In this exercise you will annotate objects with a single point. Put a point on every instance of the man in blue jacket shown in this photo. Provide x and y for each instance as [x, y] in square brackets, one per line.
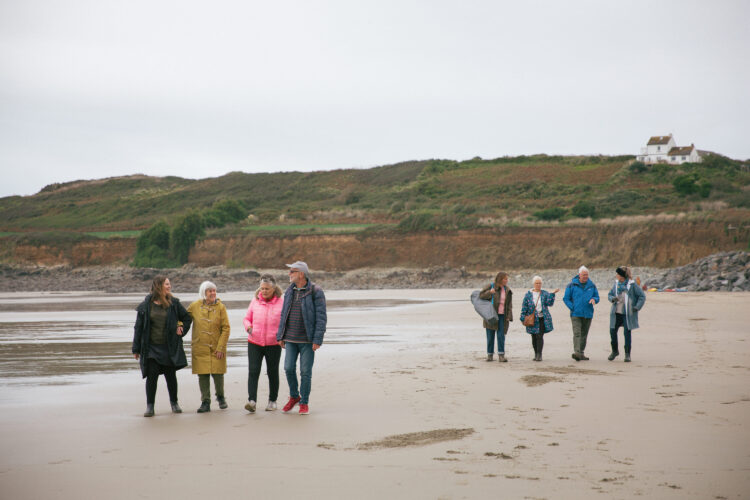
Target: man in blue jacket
[301, 330]
[580, 296]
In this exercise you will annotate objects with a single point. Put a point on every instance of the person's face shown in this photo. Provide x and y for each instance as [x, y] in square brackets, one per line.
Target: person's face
[504, 281]
[167, 286]
[266, 290]
[583, 276]
[210, 295]
[538, 285]
[296, 276]
[619, 278]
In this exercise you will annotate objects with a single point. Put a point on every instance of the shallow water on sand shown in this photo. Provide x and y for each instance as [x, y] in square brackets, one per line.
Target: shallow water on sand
[54, 338]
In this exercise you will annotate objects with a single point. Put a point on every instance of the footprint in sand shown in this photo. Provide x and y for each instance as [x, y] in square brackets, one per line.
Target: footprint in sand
[417, 438]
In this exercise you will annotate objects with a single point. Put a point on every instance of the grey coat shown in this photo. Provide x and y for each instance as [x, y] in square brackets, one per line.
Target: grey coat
[633, 303]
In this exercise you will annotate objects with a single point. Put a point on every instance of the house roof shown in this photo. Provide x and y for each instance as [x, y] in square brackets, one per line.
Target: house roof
[659, 140]
[680, 151]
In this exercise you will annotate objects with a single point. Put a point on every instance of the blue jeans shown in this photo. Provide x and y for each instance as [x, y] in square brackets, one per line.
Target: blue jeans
[306, 359]
[500, 337]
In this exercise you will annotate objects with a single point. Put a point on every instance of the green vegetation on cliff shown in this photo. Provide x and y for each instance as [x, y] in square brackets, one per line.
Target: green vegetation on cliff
[410, 196]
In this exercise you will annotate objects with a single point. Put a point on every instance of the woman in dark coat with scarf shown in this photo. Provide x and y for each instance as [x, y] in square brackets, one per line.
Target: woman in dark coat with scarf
[160, 324]
[502, 297]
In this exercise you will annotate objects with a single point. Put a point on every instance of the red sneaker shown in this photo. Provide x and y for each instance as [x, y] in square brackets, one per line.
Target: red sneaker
[303, 409]
[290, 404]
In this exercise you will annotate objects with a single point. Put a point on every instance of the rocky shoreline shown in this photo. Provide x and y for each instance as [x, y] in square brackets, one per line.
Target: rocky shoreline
[728, 271]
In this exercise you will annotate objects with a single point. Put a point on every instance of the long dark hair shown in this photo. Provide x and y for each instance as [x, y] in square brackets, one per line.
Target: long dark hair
[158, 294]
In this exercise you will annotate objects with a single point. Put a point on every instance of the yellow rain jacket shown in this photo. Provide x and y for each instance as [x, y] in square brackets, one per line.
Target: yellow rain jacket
[210, 334]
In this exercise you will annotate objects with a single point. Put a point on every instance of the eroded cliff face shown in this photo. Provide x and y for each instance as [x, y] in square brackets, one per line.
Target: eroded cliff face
[654, 245]
[88, 253]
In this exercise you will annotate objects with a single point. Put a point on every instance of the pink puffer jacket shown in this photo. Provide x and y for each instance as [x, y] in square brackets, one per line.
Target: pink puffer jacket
[264, 316]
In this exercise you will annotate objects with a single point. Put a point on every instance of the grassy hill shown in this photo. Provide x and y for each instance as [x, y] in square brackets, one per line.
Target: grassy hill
[410, 196]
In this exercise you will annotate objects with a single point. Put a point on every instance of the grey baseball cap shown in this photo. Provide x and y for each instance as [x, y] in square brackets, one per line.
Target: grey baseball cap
[300, 266]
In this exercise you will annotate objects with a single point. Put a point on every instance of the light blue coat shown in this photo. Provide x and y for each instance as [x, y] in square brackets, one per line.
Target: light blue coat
[635, 298]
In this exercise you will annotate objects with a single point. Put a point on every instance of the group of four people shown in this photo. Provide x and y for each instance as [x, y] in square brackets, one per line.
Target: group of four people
[295, 322]
[581, 295]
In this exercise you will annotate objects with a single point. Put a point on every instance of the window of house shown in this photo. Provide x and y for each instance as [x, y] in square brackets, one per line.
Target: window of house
[658, 148]
[683, 158]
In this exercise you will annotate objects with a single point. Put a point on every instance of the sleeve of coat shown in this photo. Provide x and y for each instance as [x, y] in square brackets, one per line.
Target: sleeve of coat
[248, 321]
[525, 306]
[596, 294]
[321, 316]
[567, 299]
[612, 293]
[640, 298]
[224, 335]
[549, 299]
[184, 317]
[485, 293]
[136, 349]
[510, 308]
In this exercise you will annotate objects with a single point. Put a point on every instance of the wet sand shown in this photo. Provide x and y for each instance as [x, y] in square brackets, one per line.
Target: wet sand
[403, 406]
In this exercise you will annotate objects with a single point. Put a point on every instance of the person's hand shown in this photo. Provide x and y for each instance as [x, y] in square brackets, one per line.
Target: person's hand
[555, 291]
[281, 343]
[249, 329]
[137, 355]
[316, 347]
[179, 331]
[219, 355]
[592, 302]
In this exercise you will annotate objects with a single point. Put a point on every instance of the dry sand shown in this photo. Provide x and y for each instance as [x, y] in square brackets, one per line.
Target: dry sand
[420, 416]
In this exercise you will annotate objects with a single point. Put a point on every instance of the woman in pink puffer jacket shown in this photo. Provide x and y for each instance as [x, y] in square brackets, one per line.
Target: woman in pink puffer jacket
[261, 323]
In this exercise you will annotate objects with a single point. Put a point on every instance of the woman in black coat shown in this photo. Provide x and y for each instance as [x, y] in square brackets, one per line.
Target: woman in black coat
[157, 340]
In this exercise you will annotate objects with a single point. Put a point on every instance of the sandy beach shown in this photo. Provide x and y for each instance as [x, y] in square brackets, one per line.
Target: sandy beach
[404, 405]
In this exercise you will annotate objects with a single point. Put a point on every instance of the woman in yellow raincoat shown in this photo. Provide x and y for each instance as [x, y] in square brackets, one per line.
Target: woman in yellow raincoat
[209, 344]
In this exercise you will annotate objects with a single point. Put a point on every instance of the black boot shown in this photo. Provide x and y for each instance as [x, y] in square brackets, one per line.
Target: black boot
[222, 402]
[615, 351]
[627, 356]
[205, 406]
[149, 411]
[175, 407]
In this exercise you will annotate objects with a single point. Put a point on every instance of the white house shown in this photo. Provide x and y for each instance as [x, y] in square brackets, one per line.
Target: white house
[663, 149]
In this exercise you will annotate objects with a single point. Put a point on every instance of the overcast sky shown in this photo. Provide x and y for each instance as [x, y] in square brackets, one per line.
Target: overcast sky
[100, 88]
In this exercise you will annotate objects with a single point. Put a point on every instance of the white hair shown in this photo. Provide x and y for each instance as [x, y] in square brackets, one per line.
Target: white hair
[582, 269]
[206, 285]
[536, 278]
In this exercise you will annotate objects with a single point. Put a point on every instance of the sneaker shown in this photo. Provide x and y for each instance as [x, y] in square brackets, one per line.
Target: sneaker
[290, 404]
[613, 355]
[584, 357]
[575, 356]
[222, 402]
[303, 409]
[489, 357]
[271, 406]
[250, 406]
[501, 358]
[205, 407]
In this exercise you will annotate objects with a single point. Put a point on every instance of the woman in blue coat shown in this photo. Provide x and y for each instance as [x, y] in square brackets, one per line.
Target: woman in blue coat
[537, 302]
[627, 299]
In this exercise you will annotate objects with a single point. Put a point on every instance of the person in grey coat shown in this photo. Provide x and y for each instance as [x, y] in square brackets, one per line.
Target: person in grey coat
[627, 299]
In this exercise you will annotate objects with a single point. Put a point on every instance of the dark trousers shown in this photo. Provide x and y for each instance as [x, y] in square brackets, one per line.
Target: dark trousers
[537, 339]
[153, 370]
[255, 355]
[620, 322]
